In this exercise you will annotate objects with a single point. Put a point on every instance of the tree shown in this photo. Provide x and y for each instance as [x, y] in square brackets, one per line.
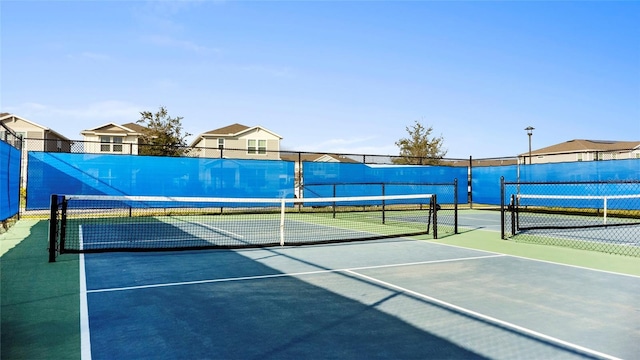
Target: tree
[163, 135]
[419, 148]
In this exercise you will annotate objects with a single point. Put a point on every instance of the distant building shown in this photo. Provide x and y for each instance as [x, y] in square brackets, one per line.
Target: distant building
[35, 137]
[583, 150]
[113, 139]
[238, 141]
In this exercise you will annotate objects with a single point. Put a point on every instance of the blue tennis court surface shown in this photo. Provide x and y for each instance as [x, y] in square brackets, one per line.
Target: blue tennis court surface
[385, 299]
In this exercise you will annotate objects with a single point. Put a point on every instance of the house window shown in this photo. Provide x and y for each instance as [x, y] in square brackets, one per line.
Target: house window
[579, 156]
[117, 144]
[257, 146]
[220, 143]
[106, 143]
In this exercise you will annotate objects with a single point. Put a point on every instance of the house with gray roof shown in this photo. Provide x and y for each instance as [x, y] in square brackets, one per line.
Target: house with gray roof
[35, 137]
[583, 150]
[113, 139]
[239, 142]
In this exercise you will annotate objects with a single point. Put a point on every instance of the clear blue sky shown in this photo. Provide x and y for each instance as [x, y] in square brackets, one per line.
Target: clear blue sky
[332, 76]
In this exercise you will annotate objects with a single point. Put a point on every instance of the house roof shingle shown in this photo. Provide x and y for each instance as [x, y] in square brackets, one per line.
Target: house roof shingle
[4, 116]
[135, 127]
[293, 156]
[228, 130]
[233, 130]
[578, 145]
[112, 128]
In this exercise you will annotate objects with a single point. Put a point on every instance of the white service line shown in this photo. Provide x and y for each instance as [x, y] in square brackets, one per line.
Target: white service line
[286, 274]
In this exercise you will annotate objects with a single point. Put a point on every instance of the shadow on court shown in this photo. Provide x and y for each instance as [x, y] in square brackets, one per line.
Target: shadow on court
[227, 305]
[247, 316]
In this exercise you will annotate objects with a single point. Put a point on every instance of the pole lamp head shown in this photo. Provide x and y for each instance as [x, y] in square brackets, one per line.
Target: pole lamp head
[529, 130]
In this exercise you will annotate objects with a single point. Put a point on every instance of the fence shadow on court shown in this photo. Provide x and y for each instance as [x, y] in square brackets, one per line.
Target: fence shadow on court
[274, 315]
[514, 343]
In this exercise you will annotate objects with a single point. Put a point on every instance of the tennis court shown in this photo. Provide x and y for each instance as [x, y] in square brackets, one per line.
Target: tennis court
[397, 298]
[465, 296]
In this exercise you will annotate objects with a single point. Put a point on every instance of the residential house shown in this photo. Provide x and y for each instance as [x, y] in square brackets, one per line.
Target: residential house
[113, 139]
[239, 142]
[583, 150]
[35, 137]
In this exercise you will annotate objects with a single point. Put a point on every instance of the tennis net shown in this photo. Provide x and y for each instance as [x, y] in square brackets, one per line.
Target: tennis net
[607, 223]
[532, 211]
[95, 223]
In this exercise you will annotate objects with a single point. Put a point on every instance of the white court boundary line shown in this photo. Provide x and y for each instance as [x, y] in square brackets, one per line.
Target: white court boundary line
[256, 277]
[85, 334]
[487, 318]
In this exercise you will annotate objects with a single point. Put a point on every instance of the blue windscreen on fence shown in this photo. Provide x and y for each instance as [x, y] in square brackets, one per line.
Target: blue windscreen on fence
[98, 174]
[325, 179]
[9, 181]
[628, 169]
[485, 181]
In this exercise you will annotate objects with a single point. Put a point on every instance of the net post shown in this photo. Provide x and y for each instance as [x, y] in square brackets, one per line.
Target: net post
[299, 176]
[53, 226]
[502, 236]
[282, 212]
[431, 206]
[514, 210]
[334, 203]
[383, 207]
[455, 205]
[434, 199]
[517, 213]
[470, 184]
[63, 224]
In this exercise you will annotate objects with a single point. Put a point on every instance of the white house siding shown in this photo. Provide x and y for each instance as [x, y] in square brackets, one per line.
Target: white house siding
[237, 148]
[590, 155]
[93, 145]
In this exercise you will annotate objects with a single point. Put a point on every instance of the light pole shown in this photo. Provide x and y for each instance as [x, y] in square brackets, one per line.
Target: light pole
[529, 130]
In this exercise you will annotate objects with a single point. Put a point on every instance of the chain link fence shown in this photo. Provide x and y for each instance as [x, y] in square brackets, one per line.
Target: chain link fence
[482, 178]
[599, 216]
[10, 145]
